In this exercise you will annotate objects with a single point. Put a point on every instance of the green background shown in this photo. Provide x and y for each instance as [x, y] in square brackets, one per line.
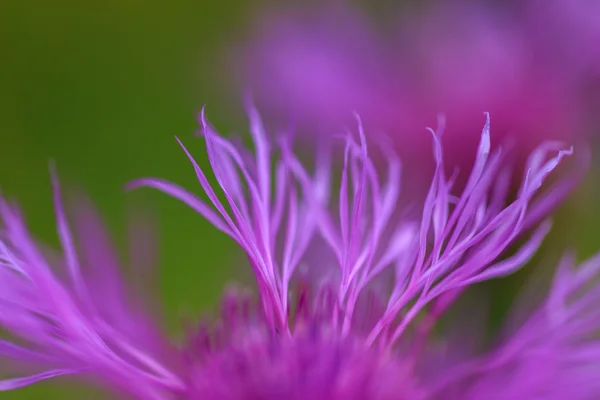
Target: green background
[102, 88]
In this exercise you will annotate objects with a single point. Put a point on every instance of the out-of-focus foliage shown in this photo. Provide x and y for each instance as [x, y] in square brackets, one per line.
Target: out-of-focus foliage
[102, 88]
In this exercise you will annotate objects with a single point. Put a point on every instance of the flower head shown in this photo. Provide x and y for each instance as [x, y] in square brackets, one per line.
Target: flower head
[349, 286]
[519, 61]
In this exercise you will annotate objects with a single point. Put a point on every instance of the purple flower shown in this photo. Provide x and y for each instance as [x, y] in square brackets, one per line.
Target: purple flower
[350, 286]
[520, 62]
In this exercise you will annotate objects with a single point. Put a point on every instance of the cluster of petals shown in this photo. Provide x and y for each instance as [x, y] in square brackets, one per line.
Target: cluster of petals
[350, 287]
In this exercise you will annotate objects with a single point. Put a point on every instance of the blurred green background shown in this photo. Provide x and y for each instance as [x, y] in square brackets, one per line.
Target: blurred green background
[102, 88]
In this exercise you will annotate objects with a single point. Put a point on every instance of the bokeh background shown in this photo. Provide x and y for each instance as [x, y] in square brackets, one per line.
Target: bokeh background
[101, 88]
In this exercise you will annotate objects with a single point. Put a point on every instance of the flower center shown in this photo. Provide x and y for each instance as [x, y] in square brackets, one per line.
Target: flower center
[241, 357]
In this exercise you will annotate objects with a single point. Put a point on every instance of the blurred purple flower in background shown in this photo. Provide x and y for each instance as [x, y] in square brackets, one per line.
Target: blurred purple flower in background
[534, 65]
[350, 287]
[566, 34]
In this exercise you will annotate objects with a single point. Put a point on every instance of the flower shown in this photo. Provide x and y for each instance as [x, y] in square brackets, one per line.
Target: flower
[317, 63]
[349, 286]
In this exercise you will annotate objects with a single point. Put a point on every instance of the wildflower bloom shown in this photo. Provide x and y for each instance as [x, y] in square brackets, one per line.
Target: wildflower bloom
[349, 290]
[314, 64]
